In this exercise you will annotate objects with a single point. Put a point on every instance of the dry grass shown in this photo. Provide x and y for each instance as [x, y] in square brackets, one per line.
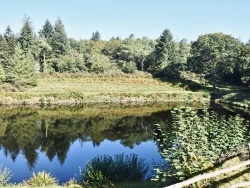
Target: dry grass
[77, 90]
[237, 176]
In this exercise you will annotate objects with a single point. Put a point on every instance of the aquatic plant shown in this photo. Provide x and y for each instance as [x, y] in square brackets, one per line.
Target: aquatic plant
[105, 169]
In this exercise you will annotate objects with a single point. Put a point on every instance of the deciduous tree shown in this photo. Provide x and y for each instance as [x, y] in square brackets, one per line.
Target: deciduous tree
[213, 55]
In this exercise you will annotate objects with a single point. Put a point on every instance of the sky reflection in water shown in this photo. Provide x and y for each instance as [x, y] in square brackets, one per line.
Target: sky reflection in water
[77, 156]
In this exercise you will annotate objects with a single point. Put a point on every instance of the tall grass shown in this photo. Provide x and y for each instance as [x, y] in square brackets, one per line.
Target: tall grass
[121, 168]
[5, 175]
[41, 179]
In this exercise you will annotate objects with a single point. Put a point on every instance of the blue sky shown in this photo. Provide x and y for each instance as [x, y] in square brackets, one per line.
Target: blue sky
[185, 18]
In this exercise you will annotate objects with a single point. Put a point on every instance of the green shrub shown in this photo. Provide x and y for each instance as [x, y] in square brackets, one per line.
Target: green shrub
[105, 169]
[197, 142]
[95, 177]
[4, 175]
[2, 74]
[41, 179]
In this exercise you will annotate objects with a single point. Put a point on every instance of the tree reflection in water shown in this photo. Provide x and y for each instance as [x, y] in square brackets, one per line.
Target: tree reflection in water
[30, 132]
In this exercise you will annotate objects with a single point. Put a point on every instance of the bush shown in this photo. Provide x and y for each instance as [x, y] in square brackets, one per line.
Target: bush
[197, 142]
[4, 175]
[41, 179]
[105, 169]
[127, 67]
[2, 74]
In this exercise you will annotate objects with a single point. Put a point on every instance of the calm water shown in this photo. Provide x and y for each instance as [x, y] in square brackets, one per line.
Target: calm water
[60, 140]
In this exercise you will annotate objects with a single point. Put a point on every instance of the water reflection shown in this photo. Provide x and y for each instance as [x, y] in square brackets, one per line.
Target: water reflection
[61, 140]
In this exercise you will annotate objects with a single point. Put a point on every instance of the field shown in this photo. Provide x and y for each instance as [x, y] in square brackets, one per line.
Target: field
[67, 89]
[234, 96]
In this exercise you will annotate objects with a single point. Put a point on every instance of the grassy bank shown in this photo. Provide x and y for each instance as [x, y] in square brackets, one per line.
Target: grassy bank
[233, 96]
[221, 181]
[66, 89]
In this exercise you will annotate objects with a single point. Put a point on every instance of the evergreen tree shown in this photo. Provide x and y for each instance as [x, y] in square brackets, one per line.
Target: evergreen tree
[183, 51]
[27, 37]
[96, 36]
[21, 71]
[164, 52]
[11, 40]
[47, 30]
[3, 52]
[179, 62]
[59, 43]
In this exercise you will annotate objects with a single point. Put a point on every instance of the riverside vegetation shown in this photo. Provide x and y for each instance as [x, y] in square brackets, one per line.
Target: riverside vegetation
[222, 139]
[52, 69]
[31, 63]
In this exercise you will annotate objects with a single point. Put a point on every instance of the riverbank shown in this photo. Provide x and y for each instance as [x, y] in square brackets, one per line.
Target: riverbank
[68, 89]
[234, 97]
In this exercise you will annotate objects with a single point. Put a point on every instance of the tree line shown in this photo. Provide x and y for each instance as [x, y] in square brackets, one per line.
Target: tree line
[215, 57]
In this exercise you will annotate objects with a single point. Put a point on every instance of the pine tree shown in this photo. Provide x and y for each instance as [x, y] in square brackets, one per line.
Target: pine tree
[164, 52]
[3, 52]
[21, 71]
[11, 40]
[96, 36]
[47, 30]
[59, 43]
[27, 37]
[164, 49]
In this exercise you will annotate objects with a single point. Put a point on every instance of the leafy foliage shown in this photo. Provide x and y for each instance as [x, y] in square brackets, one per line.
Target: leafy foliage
[2, 74]
[197, 142]
[214, 55]
[105, 169]
[98, 63]
[243, 63]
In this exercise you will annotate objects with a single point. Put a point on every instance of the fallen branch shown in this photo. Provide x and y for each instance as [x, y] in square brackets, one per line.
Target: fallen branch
[209, 175]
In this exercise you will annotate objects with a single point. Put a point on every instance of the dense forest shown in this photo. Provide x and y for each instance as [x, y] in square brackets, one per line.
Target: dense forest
[214, 57]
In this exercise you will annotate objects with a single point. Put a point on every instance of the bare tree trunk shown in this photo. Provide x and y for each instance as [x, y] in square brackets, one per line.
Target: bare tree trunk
[209, 175]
